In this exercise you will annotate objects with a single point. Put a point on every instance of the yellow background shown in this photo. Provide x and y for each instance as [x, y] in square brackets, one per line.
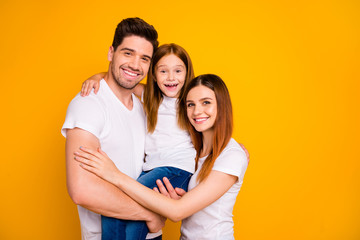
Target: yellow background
[292, 68]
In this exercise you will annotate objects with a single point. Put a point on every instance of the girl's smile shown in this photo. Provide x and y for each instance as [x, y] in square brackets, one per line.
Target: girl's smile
[170, 74]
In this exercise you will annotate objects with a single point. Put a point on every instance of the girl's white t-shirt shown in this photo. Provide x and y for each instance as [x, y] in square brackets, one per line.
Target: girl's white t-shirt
[215, 221]
[169, 145]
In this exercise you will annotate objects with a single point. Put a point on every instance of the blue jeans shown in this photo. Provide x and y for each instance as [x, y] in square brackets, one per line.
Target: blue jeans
[117, 229]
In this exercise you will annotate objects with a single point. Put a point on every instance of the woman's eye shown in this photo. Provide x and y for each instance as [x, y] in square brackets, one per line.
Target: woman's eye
[190, 105]
[206, 102]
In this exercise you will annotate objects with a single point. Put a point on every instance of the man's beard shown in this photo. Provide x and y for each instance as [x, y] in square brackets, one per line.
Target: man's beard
[121, 83]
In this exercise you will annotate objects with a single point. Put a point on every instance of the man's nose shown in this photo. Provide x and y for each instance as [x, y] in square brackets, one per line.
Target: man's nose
[134, 64]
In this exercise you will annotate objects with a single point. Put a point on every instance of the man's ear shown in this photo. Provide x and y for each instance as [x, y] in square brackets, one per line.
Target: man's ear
[111, 53]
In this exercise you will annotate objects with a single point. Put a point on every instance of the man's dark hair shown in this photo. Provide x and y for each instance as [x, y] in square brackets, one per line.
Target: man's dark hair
[135, 27]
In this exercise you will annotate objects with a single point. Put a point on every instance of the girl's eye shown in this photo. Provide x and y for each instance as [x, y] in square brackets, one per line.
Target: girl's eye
[206, 102]
[178, 71]
[190, 105]
[162, 71]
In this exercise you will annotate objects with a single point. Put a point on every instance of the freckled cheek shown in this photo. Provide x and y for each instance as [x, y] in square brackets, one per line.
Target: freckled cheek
[182, 78]
[159, 82]
[159, 78]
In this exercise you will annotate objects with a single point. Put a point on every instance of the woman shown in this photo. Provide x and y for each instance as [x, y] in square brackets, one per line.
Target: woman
[220, 161]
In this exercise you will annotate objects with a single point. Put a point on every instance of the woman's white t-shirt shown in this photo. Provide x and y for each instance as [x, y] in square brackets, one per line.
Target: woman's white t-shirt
[215, 221]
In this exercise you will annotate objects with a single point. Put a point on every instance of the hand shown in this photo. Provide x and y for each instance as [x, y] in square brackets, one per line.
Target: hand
[156, 224]
[88, 85]
[169, 190]
[246, 152]
[98, 163]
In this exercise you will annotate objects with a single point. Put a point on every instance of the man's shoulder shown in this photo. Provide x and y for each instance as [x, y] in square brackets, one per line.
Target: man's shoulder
[91, 106]
[90, 101]
[86, 113]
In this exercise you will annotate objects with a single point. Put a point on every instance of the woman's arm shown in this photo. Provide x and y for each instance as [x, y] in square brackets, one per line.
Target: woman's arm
[207, 192]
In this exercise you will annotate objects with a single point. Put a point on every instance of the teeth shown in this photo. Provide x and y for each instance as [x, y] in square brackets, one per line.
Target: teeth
[130, 73]
[200, 119]
[171, 85]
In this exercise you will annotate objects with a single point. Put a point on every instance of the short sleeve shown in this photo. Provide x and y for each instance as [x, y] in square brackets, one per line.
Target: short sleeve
[232, 161]
[85, 113]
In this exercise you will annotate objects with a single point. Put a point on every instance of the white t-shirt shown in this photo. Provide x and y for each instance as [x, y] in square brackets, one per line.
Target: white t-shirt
[121, 133]
[169, 145]
[215, 221]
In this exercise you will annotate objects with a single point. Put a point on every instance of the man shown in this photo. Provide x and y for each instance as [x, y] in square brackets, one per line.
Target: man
[114, 120]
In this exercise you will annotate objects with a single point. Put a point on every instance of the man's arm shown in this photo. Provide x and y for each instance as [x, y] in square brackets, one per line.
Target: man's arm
[97, 195]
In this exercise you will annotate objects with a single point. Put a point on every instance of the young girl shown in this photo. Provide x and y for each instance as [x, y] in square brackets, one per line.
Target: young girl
[169, 151]
[221, 164]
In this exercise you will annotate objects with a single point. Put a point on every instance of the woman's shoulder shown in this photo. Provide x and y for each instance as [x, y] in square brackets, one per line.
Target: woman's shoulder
[233, 147]
[232, 159]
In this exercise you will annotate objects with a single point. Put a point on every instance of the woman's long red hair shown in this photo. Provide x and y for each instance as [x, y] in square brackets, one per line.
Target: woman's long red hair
[223, 125]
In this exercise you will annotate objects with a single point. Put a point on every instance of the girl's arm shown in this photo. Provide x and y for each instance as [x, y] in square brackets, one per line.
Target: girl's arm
[139, 89]
[207, 192]
[90, 83]
[94, 82]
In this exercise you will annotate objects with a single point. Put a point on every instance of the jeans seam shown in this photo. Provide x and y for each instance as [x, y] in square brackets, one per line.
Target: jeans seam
[185, 179]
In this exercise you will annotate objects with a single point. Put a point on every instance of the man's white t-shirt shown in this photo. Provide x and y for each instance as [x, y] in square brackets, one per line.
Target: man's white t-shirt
[121, 133]
[169, 145]
[215, 221]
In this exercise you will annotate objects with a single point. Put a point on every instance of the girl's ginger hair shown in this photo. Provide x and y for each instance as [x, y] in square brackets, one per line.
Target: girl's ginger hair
[152, 94]
[223, 125]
